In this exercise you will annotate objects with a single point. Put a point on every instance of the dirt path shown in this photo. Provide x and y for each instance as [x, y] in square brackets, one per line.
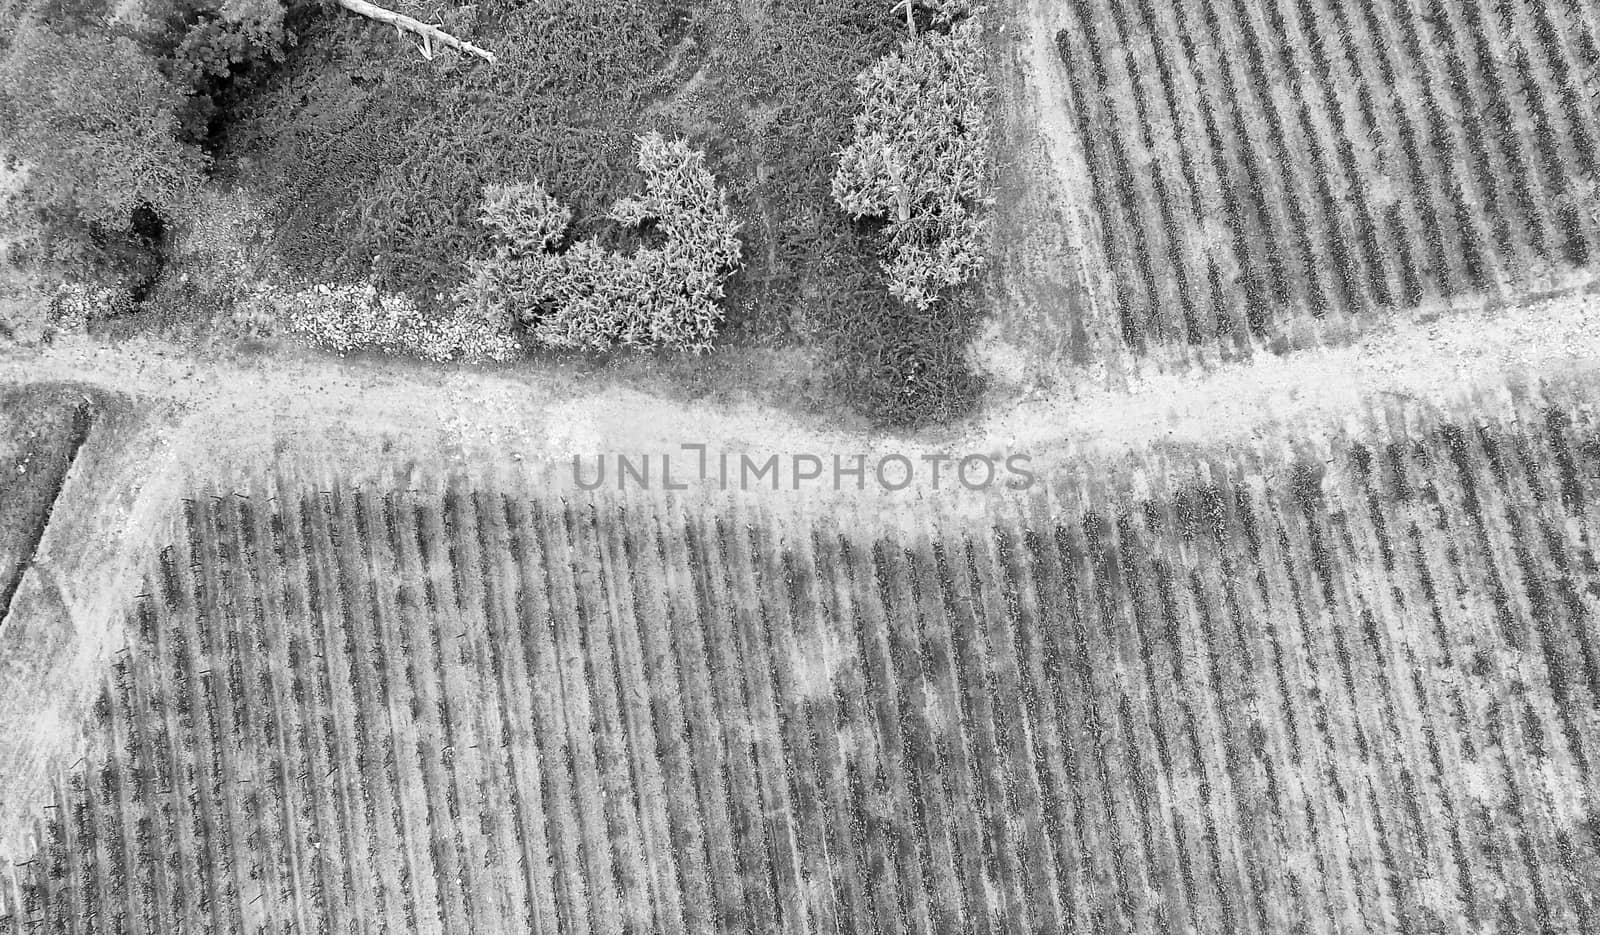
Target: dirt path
[362, 417]
[1050, 270]
[1435, 364]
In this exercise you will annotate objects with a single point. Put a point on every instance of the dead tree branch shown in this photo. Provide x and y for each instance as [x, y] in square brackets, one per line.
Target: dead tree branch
[431, 35]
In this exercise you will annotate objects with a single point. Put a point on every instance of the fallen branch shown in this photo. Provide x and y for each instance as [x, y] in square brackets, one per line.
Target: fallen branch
[431, 35]
[911, 20]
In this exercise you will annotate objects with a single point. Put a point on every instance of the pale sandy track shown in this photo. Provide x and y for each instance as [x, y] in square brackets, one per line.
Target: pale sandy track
[360, 417]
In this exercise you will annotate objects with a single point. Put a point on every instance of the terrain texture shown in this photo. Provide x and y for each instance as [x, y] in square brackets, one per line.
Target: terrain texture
[1296, 631]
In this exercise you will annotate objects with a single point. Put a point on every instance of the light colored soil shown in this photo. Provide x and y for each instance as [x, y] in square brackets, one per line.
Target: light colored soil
[1050, 272]
[352, 416]
[1434, 363]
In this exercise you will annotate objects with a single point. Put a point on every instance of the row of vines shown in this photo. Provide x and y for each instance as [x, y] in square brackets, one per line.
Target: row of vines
[1251, 158]
[1348, 690]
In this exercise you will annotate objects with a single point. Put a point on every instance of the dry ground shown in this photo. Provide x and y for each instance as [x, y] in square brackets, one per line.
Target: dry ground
[217, 422]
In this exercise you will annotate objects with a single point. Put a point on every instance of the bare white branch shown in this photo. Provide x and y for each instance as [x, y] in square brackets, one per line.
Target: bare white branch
[431, 35]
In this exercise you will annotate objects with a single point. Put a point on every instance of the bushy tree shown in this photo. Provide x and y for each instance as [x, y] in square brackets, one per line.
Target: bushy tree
[920, 159]
[214, 49]
[107, 108]
[96, 123]
[592, 298]
[107, 111]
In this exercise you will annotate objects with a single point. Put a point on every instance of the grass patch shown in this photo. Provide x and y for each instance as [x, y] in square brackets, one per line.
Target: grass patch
[901, 366]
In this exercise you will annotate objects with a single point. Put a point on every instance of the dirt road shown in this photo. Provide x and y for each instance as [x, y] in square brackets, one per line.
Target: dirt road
[360, 416]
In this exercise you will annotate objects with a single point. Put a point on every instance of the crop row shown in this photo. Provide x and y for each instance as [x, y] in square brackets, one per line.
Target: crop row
[1320, 690]
[1253, 158]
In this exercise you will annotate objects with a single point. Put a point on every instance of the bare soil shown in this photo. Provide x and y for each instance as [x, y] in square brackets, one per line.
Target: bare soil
[231, 414]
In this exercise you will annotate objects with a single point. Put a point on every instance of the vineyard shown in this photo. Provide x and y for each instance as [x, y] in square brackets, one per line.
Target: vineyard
[1347, 689]
[1251, 160]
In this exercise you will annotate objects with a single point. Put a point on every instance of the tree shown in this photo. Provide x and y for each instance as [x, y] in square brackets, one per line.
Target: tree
[588, 297]
[213, 49]
[95, 123]
[920, 159]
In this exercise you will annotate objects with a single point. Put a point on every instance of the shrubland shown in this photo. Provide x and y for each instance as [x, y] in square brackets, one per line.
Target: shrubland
[569, 295]
[376, 161]
[920, 161]
[373, 160]
[371, 164]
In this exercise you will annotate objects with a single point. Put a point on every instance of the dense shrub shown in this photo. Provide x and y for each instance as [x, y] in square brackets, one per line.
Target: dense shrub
[920, 159]
[96, 123]
[216, 49]
[589, 297]
[527, 219]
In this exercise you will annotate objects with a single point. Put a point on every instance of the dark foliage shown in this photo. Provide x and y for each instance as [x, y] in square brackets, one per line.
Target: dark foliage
[112, 111]
[902, 366]
[219, 54]
[376, 159]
